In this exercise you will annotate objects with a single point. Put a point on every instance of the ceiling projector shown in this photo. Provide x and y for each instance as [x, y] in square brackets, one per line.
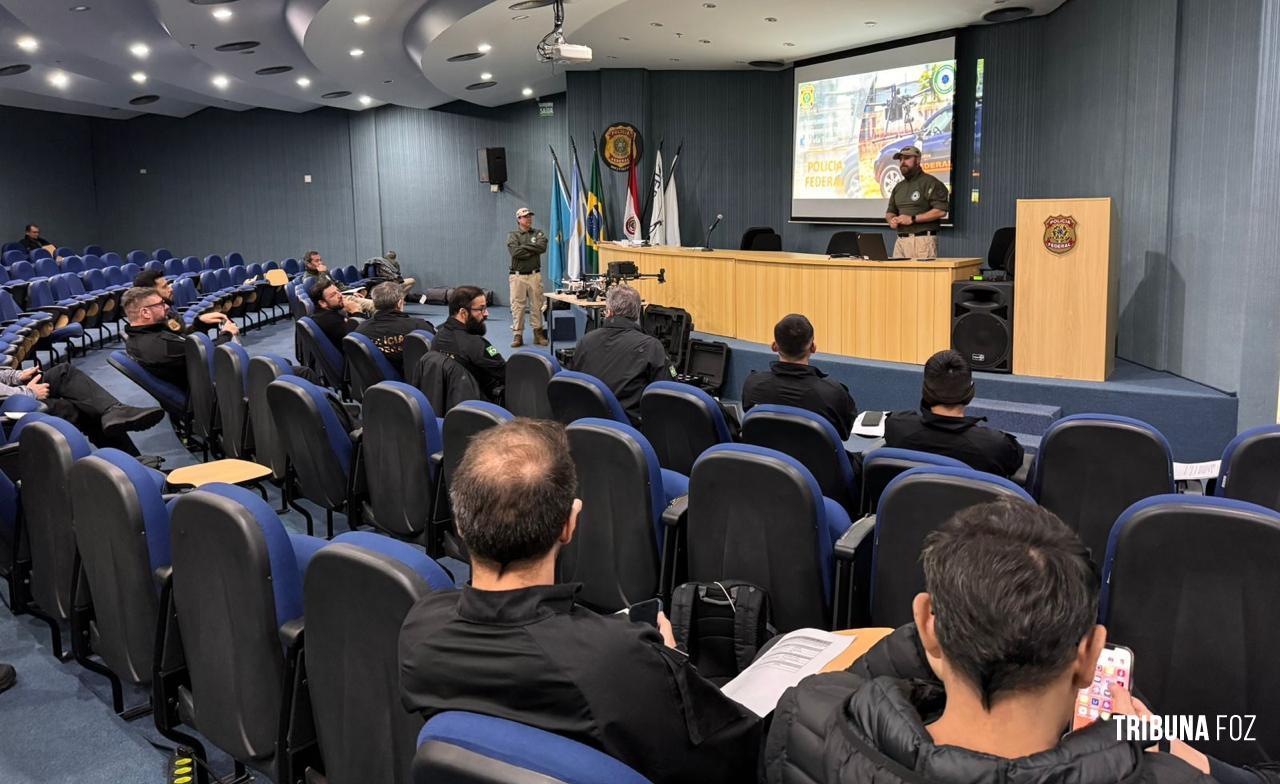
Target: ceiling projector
[571, 53]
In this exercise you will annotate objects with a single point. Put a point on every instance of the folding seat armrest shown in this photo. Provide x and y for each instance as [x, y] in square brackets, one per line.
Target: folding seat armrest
[850, 596]
[1023, 474]
[291, 634]
[673, 568]
[850, 541]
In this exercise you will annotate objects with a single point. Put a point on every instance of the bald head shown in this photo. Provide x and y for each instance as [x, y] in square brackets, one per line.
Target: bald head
[514, 492]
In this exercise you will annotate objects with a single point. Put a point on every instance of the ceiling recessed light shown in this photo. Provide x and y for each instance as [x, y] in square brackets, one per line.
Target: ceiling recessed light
[76, 9]
[140, 50]
[708, 5]
[139, 77]
[28, 44]
[869, 23]
[484, 77]
[464, 57]
[771, 18]
[220, 82]
[273, 70]
[357, 53]
[386, 81]
[336, 94]
[14, 70]
[703, 41]
[613, 57]
[59, 79]
[482, 48]
[480, 85]
[361, 19]
[303, 81]
[787, 43]
[623, 38]
[223, 14]
[526, 92]
[519, 17]
[674, 59]
[526, 5]
[142, 100]
[365, 100]
[655, 24]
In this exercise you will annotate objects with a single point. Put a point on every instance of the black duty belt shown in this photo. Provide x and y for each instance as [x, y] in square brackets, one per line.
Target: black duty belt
[928, 233]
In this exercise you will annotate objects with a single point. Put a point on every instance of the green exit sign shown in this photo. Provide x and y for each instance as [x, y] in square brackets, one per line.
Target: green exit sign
[546, 109]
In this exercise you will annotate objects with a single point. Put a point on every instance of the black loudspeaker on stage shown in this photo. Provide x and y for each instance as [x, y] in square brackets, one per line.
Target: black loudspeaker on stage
[492, 162]
[982, 323]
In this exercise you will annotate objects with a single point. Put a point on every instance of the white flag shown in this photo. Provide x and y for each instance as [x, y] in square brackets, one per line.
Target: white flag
[671, 207]
[657, 223]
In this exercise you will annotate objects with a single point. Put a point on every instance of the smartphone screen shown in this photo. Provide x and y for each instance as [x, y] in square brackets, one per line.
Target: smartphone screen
[1115, 666]
[645, 612]
[872, 418]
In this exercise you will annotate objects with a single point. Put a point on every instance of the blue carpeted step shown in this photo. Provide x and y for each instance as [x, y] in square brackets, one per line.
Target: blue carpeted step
[1030, 418]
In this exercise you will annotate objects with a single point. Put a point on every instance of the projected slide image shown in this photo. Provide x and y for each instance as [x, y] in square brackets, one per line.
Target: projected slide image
[849, 127]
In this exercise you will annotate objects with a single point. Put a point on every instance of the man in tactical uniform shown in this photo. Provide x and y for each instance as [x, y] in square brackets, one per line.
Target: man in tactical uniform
[916, 208]
[526, 246]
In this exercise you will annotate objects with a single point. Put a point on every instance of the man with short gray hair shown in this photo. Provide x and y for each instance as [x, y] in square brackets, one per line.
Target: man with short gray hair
[620, 354]
[390, 323]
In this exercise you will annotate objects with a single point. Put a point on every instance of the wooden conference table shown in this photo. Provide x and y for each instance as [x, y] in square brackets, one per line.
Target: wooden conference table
[898, 311]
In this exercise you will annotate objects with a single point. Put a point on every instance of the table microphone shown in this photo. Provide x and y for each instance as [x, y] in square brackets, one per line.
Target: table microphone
[706, 246]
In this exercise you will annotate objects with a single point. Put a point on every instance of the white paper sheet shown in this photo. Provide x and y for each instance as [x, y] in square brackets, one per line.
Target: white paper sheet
[1187, 471]
[796, 656]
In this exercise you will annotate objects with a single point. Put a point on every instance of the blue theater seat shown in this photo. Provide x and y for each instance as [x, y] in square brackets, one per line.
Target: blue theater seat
[809, 438]
[366, 364]
[1249, 470]
[758, 515]
[617, 552]
[681, 421]
[467, 747]
[575, 396]
[528, 373]
[402, 452]
[353, 671]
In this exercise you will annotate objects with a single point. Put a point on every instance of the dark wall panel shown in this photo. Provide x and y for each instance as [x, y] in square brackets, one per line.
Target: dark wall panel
[444, 224]
[220, 181]
[47, 162]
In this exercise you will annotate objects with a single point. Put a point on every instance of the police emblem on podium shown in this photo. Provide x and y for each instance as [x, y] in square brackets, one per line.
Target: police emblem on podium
[1059, 233]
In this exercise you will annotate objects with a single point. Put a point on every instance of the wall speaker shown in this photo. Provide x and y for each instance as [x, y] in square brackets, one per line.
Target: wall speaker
[492, 162]
[982, 323]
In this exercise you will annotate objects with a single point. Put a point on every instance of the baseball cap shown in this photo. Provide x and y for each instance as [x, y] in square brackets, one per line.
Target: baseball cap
[906, 152]
[523, 211]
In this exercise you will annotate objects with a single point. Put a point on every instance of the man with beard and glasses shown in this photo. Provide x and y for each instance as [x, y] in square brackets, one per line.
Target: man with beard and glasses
[462, 337]
[916, 208]
[154, 279]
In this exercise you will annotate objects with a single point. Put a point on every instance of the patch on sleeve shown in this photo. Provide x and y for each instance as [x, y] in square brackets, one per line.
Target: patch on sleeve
[671, 370]
[491, 351]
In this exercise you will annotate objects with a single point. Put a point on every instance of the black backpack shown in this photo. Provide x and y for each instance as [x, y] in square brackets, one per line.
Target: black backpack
[721, 626]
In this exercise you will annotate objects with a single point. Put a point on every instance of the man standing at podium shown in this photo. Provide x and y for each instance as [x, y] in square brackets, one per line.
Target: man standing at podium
[916, 208]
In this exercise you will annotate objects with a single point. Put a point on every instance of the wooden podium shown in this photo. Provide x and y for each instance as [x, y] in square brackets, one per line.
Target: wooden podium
[1065, 295]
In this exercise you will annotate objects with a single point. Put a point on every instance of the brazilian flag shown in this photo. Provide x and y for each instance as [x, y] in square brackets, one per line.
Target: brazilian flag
[595, 219]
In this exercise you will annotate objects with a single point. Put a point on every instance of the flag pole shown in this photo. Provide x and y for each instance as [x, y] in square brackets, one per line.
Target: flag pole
[649, 200]
[675, 161]
[556, 159]
[581, 182]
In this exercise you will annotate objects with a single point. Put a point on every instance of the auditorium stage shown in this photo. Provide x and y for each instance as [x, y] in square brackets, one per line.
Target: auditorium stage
[1197, 420]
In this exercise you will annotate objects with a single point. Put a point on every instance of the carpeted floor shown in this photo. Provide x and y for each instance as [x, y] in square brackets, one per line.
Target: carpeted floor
[56, 724]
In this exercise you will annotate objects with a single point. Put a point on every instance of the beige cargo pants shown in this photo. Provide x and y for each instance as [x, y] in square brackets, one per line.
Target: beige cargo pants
[917, 247]
[526, 293]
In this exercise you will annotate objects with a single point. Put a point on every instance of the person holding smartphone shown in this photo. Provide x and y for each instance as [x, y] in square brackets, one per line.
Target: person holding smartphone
[982, 686]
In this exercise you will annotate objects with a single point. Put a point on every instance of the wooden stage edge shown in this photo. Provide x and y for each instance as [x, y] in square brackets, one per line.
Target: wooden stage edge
[896, 311]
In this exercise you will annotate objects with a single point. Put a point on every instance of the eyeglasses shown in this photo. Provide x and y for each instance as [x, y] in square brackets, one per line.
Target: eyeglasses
[153, 305]
[481, 309]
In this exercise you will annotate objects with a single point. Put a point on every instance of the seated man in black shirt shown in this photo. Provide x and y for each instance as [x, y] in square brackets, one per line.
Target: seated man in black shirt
[315, 270]
[390, 323]
[155, 342]
[515, 645]
[620, 354]
[461, 336]
[332, 309]
[982, 685]
[792, 381]
[31, 240]
[941, 427]
[154, 279]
